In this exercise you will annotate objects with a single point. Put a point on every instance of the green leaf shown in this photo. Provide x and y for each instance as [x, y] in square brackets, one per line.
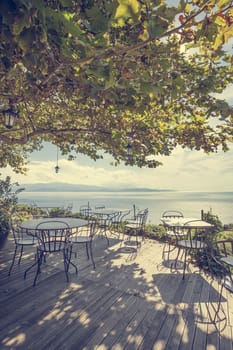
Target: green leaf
[157, 26]
[127, 9]
[98, 21]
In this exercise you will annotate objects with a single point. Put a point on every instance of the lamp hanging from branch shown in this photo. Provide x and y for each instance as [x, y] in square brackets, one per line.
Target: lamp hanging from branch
[57, 168]
[10, 117]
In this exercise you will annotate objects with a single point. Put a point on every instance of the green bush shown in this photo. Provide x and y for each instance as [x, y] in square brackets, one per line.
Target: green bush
[214, 220]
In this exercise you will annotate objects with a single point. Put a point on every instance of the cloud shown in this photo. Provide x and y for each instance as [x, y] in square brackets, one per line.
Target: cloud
[183, 170]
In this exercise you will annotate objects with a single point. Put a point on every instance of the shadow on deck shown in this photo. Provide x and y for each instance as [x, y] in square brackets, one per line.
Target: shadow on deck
[131, 301]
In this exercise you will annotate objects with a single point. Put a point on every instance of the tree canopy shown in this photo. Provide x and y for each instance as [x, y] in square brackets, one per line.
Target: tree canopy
[133, 78]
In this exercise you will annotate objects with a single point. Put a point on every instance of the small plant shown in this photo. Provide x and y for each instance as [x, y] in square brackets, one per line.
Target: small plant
[214, 220]
[8, 201]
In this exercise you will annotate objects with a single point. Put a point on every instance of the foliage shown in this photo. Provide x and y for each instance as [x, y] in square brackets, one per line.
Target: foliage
[214, 220]
[8, 200]
[111, 76]
[225, 234]
[155, 232]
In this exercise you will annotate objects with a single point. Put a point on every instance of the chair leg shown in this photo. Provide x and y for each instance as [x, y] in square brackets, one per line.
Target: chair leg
[88, 257]
[185, 263]
[13, 260]
[67, 253]
[66, 263]
[21, 253]
[39, 263]
[91, 253]
[29, 268]
[219, 301]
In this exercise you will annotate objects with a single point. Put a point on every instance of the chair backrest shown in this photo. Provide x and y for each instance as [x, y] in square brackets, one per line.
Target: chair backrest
[195, 230]
[88, 230]
[85, 210]
[224, 247]
[122, 215]
[52, 239]
[172, 214]
[21, 235]
[105, 219]
[141, 218]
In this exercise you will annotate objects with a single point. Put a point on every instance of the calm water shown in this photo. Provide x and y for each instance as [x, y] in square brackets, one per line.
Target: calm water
[190, 203]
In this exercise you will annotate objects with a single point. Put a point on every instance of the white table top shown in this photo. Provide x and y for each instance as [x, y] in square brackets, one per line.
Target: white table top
[108, 211]
[186, 222]
[53, 223]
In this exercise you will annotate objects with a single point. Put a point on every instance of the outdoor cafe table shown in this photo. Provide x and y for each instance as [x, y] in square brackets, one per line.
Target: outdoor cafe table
[186, 222]
[53, 223]
[106, 217]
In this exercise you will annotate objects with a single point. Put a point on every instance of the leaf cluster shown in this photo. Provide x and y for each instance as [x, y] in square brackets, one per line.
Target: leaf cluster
[94, 76]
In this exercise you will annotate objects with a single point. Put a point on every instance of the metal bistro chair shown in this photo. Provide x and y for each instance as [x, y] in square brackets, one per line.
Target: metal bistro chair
[173, 234]
[21, 240]
[51, 241]
[117, 224]
[85, 235]
[137, 226]
[221, 267]
[104, 223]
[193, 242]
[85, 211]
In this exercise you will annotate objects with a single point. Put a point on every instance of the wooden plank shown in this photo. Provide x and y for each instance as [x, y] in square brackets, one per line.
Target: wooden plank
[129, 338]
[128, 302]
[82, 324]
[72, 322]
[109, 326]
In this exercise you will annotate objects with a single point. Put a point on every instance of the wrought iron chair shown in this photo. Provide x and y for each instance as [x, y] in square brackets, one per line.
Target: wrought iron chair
[85, 235]
[221, 265]
[194, 241]
[173, 234]
[117, 224]
[136, 227]
[223, 256]
[53, 240]
[104, 223]
[85, 211]
[21, 240]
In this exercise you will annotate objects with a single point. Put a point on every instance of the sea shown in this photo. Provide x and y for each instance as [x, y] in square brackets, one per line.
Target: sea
[191, 204]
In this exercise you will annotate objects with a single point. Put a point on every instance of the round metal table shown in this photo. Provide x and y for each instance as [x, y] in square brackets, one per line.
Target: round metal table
[53, 223]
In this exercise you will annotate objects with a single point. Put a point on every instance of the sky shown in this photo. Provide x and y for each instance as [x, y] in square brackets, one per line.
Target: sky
[183, 170]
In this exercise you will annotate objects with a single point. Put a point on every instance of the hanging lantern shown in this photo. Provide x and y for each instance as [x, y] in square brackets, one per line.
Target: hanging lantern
[129, 151]
[57, 168]
[10, 117]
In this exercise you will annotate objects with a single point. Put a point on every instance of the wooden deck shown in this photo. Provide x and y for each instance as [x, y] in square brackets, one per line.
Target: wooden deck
[131, 301]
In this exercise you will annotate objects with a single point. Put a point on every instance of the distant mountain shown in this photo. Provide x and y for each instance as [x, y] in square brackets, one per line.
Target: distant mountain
[62, 187]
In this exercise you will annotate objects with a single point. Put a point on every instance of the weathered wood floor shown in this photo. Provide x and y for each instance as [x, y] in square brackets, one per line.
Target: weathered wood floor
[131, 301]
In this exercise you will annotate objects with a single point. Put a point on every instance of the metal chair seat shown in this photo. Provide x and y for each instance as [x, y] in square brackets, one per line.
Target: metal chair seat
[26, 241]
[21, 240]
[80, 239]
[52, 247]
[191, 244]
[85, 235]
[227, 260]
